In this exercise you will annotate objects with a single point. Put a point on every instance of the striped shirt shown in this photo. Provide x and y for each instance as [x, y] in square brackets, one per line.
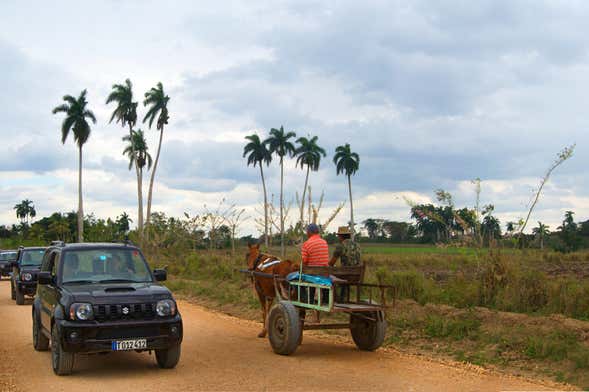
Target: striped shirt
[315, 251]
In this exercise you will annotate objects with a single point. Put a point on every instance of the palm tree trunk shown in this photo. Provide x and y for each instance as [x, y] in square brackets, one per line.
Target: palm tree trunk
[139, 192]
[140, 203]
[80, 202]
[265, 207]
[303, 198]
[282, 251]
[351, 208]
[150, 192]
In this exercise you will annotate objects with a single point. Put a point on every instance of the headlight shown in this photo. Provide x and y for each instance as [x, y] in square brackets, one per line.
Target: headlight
[165, 307]
[27, 277]
[81, 312]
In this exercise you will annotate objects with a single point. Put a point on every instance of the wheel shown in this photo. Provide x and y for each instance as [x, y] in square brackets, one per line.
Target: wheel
[284, 328]
[168, 358]
[40, 341]
[20, 297]
[368, 334]
[61, 361]
[12, 293]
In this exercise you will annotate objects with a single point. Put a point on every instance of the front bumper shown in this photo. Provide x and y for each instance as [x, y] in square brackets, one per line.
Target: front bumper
[94, 337]
[27, 288]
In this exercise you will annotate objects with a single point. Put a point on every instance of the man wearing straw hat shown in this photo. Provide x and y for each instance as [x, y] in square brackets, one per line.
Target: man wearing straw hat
[347, 250]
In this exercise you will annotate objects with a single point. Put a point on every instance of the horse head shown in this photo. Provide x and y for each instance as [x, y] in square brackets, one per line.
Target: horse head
[252, 257]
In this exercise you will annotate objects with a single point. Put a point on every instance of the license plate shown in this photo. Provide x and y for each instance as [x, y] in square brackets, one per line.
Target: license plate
[125, 345]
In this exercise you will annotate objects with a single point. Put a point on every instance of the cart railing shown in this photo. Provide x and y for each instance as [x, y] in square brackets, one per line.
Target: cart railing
[340, 296]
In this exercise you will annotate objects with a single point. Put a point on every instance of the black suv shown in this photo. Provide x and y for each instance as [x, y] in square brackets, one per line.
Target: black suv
[7, 257]
[97, 298]
[24, 273]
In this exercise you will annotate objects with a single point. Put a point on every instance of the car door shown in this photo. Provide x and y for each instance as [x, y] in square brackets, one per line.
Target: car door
[48, 293]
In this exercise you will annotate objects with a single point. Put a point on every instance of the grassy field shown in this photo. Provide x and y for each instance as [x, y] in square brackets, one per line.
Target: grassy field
[525, 312]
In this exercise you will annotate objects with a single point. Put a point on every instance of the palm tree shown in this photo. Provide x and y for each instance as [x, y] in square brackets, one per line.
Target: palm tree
[347, 162]
[279, 144]
[76, 121]
[158, 102]
[123, 223]
[541, 231]
[126, 113]
[308, 154]
[136, 150]
[25, 210]
[258, 154]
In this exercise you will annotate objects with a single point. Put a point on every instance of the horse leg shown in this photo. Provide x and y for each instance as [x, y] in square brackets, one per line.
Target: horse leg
[263, 302]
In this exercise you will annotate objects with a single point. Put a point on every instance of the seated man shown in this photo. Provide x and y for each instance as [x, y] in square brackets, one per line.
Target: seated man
[348, 252]
[315, 253]
[70, 267]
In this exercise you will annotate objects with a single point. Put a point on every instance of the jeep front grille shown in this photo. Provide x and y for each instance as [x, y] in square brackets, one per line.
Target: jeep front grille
[124, 312]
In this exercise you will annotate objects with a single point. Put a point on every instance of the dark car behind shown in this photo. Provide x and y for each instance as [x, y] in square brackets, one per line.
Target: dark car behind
[7, 257]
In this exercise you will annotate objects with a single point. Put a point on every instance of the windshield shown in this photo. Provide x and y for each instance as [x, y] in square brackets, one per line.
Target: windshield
[32, 257]
[103, 266]
[7, 256]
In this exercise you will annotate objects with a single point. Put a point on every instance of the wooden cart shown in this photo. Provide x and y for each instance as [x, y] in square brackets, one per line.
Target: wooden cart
[365, 304]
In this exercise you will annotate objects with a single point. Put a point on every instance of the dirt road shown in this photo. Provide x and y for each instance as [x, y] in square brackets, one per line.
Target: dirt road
[223, 353]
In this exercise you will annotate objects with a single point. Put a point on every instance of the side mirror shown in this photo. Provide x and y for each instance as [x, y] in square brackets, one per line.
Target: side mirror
[45, 277]
[160, 275]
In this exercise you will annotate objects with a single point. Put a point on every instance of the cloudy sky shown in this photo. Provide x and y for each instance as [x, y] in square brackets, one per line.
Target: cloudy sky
[431, 94]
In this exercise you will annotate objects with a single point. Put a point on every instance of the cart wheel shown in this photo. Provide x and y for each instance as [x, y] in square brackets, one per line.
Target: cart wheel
[368, 334]
[284, 328]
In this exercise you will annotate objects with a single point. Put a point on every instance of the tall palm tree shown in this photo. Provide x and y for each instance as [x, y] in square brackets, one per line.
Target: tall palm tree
[258, 154]
[278, 143]
[25, 210]
[125, 113]
[347, 162]
[136, 150]
[76, 115]
[308, 154]
[541, 231]
[158, 108]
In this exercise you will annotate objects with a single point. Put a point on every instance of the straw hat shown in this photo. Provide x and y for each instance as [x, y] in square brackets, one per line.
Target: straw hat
[343, 230]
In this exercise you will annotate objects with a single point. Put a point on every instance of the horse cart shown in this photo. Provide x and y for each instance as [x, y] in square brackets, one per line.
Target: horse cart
[322, 290]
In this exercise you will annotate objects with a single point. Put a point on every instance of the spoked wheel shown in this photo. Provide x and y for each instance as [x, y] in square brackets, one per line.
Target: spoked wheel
[284, 328]
[40, 341]
[61, 361]
[368, 329]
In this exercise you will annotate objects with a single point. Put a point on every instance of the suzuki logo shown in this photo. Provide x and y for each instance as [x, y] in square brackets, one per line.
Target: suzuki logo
[125, 310]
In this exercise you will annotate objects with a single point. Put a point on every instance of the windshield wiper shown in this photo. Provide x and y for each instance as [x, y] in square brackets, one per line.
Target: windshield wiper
[119, 281]
[81, 281]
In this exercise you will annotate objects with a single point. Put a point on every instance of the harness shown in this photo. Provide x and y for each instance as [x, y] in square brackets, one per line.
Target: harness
[261, 263]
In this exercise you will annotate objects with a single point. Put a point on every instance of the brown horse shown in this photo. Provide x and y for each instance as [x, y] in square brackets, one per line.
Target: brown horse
[264, 286]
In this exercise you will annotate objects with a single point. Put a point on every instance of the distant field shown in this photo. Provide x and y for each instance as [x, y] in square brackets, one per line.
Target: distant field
[404, 249]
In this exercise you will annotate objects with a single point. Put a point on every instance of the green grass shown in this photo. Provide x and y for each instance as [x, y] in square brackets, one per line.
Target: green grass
[411, 250]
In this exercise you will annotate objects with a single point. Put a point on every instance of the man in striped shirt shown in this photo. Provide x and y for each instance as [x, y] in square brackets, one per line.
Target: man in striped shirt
[315, 252]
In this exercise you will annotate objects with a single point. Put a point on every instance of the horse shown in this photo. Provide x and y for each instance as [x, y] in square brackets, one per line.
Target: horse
[264, 286]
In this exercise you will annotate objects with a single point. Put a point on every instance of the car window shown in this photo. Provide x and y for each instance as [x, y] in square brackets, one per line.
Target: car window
[7, 256]
[103, 265]
[32, 256]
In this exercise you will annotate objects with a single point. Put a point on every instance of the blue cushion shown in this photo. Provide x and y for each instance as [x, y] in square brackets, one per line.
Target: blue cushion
[317, 279]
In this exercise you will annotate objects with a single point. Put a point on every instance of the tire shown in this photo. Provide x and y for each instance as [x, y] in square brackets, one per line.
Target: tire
[284, 328]
[61, 361]
[12, 293]
[40, 341]
[20, 297]
[368, 334]
[168, 358]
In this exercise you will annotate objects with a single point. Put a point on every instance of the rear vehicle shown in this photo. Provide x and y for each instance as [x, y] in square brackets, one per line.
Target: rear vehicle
[7, 257]
[24, 273]
[99, 298]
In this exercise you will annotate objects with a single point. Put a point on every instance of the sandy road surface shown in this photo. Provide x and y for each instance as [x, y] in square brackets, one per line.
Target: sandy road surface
[222, 353]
